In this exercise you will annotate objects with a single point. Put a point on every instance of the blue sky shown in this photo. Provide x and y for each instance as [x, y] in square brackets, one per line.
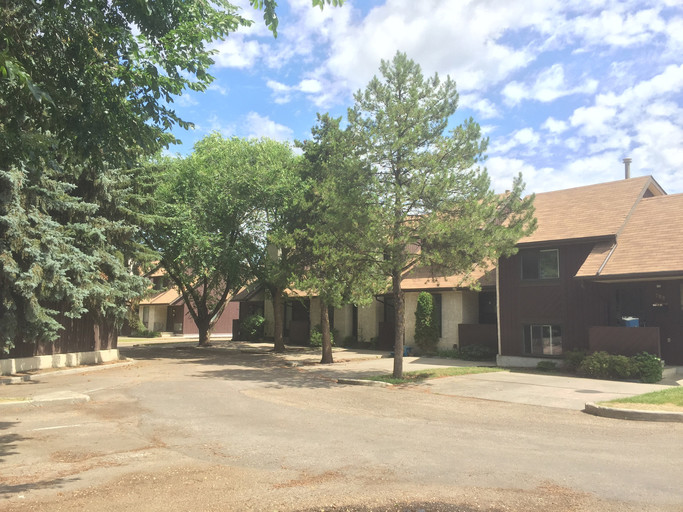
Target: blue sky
[564, 89]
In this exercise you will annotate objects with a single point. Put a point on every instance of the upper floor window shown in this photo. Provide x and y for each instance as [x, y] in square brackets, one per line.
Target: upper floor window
[543, 264]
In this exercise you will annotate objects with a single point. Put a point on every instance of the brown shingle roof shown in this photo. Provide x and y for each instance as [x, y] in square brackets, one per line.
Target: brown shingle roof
[588, 212]
[651, 242]
[165, 297]
[422, 279]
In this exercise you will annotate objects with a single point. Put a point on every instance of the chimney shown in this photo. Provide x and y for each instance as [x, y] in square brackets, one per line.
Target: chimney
[627, 167]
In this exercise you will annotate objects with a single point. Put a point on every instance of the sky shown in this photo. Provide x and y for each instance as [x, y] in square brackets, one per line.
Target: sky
[563, 89]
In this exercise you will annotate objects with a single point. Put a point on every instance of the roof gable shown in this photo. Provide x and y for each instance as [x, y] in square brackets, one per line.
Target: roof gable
[651, 241]
[592, 211]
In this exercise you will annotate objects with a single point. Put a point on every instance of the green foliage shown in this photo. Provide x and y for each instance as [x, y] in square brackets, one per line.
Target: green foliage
[252, 327]
[432, 204]
[145, 333]
[673, 396]
[601, 365]
[85, 94]
[317, 337]
[647, 367]
[620, 367]
[476, 353]
[334, 236]
[469, 353]
[451, 353]
[595, 365]
[211, 231]
[546, 366]
[426, 325]
[435, 373]
[573, 359]
[270, 17]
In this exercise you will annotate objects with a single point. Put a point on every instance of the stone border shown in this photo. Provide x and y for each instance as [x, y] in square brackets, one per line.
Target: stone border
[632, 414]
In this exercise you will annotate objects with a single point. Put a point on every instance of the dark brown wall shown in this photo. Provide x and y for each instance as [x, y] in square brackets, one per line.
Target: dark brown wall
[624, 341]
[478, 334]
[223, 325]
[79, 335]
[571, 303]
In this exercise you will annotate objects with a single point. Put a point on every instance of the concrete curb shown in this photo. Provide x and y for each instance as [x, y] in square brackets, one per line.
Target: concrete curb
[632, 414]
[363, 382]
[83, 369]
[57, 396]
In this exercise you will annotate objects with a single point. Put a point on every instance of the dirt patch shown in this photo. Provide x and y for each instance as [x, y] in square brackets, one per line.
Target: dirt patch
[73, 456]
[308, 479]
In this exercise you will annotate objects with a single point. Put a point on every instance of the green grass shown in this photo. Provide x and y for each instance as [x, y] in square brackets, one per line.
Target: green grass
[673, 396]
[435, 373]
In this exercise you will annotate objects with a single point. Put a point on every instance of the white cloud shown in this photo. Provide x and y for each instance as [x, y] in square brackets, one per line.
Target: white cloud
[257, 126]
[549, 86]
[315, 90]
[310, 86]
[216, 87]
[526, 137]
[186, 100]
[616, 27]
[237, 52]
[484, 107]
[554, 126]
[640, 116]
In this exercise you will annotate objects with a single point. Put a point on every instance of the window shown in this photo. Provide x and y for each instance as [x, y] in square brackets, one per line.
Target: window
[544, 264]
[543, 340]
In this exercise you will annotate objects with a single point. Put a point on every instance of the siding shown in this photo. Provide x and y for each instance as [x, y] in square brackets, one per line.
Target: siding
[571, 303]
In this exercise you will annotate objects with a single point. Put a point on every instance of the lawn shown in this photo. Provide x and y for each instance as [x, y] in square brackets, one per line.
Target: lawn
[435, 373]
[666, 400]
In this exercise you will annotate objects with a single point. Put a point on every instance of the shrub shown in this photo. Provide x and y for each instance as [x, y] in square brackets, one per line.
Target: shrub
[144, 333]
[595, 365]
[252, 327]
[316, 339]
[348, 341]
[476, 353]
[452, 353]
[620, 367]
[546, 366]
[647, 367]
[426, 326]
[573, 359]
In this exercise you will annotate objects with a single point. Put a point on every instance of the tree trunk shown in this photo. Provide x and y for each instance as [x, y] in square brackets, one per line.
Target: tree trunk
[325, 328]
[278, 313]
[204, 328]
[399, 324]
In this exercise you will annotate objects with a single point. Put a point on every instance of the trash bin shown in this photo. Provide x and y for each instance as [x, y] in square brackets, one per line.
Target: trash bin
[630, 321]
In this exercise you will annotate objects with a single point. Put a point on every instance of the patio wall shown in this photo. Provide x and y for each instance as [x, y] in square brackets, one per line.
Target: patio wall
[626, 341]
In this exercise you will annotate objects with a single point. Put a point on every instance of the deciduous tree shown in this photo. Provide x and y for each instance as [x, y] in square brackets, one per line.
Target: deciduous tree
[335, 237]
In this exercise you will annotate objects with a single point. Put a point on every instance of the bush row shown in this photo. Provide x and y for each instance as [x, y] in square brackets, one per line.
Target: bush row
[470, 353]
[601, 365]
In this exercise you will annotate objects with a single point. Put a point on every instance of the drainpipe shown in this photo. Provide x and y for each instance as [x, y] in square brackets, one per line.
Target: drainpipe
[627, 167]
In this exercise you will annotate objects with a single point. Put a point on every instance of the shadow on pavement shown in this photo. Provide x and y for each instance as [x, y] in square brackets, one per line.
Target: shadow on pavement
[8, 446]
[254, 365]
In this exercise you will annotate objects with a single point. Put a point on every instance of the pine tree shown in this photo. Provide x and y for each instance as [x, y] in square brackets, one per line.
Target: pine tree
[433, 203]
